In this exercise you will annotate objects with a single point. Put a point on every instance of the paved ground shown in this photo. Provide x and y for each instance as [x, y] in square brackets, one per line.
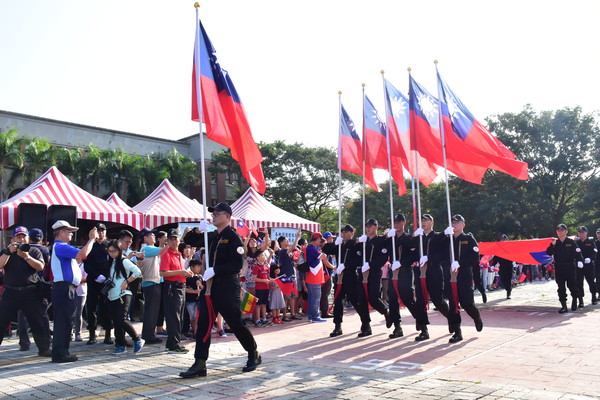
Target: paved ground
[525, 351]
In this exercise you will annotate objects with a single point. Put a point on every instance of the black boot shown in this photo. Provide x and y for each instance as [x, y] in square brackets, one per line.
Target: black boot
[574, 304]
[457, 337]
[197, 369]
[594, 299]
[397, 332]
[479, 325]
[484, 297]
[254, 360]
[563, 308]
[388, 319]
[581, 302]
[365, 330]
[508, 294]
[424, 335]
[337, 331]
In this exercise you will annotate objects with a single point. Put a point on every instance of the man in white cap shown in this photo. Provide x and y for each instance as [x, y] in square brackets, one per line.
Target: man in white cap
[67, 275]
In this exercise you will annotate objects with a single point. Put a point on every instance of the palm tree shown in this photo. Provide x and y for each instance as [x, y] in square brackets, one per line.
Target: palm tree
[36, 160]
[10, 155]
[93, 162]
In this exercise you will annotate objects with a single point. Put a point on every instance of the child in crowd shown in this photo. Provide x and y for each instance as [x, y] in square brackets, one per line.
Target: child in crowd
[276, 300]
[193, 287]
[260, 275]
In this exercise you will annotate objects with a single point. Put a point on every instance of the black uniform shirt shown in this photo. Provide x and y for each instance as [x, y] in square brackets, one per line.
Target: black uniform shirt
[18, 273]
[407, 249]
[378, 251]
[466, 251]
[565, 252]
[226, 252]
[433, 247]
[351, 253]
[96, 263]
[588, 248]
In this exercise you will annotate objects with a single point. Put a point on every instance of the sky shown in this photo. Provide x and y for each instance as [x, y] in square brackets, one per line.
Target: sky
[127, 66]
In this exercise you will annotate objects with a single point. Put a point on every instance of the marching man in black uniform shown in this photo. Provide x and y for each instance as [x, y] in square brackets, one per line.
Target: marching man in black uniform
[505, 268]
[226, 252]
[567, 255]
[588, 252]
[466, 254]
[597, 262]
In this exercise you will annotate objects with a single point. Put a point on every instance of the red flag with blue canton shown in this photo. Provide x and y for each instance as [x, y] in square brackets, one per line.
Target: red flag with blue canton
[350, 151]
[223, 112]
[242, 229]
[398, 123]
[287, 285]
[425, 135]
[531, 252]
[467, 136]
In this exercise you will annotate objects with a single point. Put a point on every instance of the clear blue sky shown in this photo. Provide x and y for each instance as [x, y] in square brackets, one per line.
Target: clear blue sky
[126, 65]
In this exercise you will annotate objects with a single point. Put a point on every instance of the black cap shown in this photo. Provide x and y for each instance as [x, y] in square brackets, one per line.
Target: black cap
[582, 229]
[372, 221]
[458, 218]
[503, 237]
[348, 228]
[399, 218]
[562, 226]
[173, 232]
[100, 226]
[427, 216]
[221, 207]
[146, 231]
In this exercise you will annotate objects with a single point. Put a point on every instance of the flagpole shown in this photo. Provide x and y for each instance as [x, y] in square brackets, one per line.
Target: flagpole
[387, 142]
[364, 165]
[339, 260]
[418, 202]
[443, 137]
[199, 102]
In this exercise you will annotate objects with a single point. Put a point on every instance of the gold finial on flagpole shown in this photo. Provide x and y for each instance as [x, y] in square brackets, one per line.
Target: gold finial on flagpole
[435, 61]
[363, 85]
[196, 5]
[382, 72]
[409, 69]
[339, 92]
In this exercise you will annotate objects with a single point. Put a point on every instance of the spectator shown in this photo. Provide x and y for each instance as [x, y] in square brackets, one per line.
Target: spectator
[252, 250]
[193, 287]
[286, 263]
[260, 275]
[80, 303]
[276, 301]
[327, 282]
[314, 277]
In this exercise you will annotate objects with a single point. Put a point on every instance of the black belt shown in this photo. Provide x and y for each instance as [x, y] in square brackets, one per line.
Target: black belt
[65, 283]
[19, 288]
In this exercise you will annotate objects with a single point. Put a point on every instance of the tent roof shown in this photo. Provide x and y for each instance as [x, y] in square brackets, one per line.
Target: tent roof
[53, 188]
[116, 200]
[167, 205]
[252, 207]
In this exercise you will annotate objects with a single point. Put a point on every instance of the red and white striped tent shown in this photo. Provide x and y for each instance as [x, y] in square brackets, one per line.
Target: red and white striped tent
[252, 207]
[116, 200]
[53, 188]
[167, 205]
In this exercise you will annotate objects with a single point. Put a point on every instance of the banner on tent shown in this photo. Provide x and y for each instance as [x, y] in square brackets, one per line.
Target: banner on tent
[289, 233]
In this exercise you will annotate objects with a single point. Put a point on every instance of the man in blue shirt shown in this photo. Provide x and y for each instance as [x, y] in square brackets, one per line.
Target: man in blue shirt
[67, 275]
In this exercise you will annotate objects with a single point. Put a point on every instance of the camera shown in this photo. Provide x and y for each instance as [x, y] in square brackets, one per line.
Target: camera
[23, 246]
[108, 284]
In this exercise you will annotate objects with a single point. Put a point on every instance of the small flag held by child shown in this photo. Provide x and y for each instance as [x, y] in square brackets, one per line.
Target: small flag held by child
[248, 303]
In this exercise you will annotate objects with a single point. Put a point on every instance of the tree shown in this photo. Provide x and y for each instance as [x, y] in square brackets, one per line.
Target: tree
[10, 155]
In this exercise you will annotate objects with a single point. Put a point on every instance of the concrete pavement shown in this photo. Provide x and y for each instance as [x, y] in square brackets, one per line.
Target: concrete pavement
[525, 351]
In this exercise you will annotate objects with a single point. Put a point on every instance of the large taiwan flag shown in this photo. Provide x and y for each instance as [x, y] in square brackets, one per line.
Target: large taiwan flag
[466, 135]
[223, 112]
[350, 152]
[398, 124]
[522, 251]
[426, 140]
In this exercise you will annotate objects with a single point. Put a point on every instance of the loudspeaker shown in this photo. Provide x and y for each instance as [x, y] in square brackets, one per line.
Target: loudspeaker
[32, 216]
[66, 213]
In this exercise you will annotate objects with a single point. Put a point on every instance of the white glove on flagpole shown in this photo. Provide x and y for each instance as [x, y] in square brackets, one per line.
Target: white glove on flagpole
[395, 265]
[362, 239]
[423, 260]
[391, 233]
[209, 273]
[579, 264]
[455, 265]
[340, 268]
[449, 231]
[418, 232]
[203, 225]
[365, 267]
[339, 240]
[587, 261]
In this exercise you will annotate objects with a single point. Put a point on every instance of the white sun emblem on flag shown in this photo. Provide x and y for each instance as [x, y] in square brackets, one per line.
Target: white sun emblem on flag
[375, 116]
[453, 109]
[399, 106]
[428, 106]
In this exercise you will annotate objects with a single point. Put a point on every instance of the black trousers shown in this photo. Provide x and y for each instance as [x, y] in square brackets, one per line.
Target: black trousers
[505, 274]
[597, 270]
[23, 324]
[325, 292]
[118, 313]
[32, 305]
[407, 295]
[173, 300]
[435, 288]
[96, 308]
[225, 298]
[349, 290]
[63, 300]
[589, 273]
[374, 291]
[465, 295]
[565, 276]
[152, 301]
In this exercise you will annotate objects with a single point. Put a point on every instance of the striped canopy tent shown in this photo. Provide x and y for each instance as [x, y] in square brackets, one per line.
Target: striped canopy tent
[116, 200]
[53, 188]
[167, 205]
[252, 207]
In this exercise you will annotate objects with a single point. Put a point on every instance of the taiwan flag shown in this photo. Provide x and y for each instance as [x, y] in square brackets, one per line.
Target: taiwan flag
[468, 137]
[350, 152]
[425, 135]
[531, 252]
[223, 112]
[287, 285]
[398, 124]
[242, 229]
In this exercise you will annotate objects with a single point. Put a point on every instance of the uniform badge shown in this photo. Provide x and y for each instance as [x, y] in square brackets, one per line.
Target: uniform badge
[384, 250]
[240, 250]
[476, 249]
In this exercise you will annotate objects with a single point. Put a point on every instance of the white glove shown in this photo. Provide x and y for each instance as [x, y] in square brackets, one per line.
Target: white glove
[579, 264]
[362, 239]
[339, 240]
[100, 279]
[391, 233]
[203, 225]
[587, 261]
[449, 231]
[418, 232]
[340, 268]
[455, 265]
[423, 260]
[366, 267]
[209, 273]
[395, 265]
[497, 265]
